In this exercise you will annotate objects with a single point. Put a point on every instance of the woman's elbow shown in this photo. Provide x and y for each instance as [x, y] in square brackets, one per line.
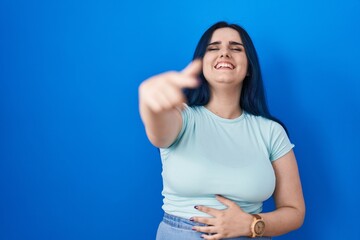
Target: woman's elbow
[300, 217]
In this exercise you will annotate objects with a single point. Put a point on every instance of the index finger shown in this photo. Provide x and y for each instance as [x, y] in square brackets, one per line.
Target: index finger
[227, 202]
[211, 211]
[193, 69]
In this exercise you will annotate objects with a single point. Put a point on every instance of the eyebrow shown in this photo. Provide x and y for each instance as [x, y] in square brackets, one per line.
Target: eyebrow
[230, 42]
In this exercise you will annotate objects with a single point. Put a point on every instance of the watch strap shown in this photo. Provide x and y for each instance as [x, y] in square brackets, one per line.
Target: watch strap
[257, 218]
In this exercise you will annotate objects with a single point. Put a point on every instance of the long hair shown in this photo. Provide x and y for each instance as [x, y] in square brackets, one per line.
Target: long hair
[252, 98]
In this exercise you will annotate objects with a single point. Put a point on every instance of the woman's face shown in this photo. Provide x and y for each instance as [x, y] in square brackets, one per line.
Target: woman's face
[225, 62]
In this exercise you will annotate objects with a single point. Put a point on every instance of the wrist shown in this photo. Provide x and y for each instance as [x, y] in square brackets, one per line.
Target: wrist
[257, 227]
[249, 221]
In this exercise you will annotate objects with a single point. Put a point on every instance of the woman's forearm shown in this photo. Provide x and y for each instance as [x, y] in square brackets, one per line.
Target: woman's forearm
[282, 220]
[161, 128]
[290, 205]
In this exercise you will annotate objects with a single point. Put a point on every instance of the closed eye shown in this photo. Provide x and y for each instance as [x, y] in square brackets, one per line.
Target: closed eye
[212, 49]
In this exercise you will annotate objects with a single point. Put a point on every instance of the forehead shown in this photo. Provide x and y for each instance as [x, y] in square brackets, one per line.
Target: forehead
[225, 35]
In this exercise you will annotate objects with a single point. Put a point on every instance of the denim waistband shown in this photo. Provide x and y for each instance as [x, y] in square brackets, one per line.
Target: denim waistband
[183, 223]
[179, 222]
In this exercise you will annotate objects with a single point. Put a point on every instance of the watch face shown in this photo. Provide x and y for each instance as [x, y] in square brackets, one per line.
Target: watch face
[259, 227]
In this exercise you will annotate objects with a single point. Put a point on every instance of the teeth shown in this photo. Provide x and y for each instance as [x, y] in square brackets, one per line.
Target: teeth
[224, 65]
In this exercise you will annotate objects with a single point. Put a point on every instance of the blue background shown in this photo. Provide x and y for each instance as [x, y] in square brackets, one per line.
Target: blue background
[74, 159]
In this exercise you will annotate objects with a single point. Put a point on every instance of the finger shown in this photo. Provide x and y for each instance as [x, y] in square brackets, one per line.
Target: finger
[175, 96]
[211, 211]
[154, 104]
[227, 202]
[204, 220]
[163, 97]
[204, 229]
[165, 101]
[193, 69]
[184, 81]
[211, 237]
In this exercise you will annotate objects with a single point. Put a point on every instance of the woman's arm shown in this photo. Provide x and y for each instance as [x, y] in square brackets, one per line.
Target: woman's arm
[288, 215]
[160, 97]
[290, 206]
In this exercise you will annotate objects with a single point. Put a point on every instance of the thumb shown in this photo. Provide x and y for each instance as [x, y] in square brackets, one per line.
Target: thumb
[193, 69]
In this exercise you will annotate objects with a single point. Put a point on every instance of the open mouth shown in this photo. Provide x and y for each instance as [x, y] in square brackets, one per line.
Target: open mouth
[224, 65]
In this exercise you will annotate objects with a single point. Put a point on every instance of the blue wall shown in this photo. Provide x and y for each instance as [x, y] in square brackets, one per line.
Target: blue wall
[74, 159]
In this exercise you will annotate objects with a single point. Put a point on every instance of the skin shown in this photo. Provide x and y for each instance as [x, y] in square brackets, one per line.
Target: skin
[225, 83]
[288, 216]
[161, 100]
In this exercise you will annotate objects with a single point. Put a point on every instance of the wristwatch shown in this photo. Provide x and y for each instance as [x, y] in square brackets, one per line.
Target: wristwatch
[257, 226]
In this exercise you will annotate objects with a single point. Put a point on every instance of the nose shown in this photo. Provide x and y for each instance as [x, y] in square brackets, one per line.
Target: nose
[225, 53]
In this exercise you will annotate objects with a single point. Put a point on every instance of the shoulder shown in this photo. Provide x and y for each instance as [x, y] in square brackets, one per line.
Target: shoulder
[267, 127]
[192, 108]
[263, 122]
[274, 136]
[191, 111]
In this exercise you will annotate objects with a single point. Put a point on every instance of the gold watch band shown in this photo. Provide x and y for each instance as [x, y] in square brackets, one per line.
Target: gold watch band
[257, 226]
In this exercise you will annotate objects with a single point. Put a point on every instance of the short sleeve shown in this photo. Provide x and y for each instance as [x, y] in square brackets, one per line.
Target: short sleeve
[279, 142]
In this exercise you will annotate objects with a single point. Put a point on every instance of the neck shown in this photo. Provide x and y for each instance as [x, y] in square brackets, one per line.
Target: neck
[225, 104]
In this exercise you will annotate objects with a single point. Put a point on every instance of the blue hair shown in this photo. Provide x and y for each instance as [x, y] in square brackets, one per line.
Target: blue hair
[252, 98]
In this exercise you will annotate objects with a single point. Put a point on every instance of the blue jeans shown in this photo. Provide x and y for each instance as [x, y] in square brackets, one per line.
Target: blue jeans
[176, 228]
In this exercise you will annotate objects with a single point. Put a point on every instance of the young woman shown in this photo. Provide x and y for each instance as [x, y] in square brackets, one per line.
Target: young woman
[223, 154]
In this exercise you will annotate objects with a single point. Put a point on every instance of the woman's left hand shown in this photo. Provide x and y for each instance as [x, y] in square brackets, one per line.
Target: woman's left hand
[227, 223]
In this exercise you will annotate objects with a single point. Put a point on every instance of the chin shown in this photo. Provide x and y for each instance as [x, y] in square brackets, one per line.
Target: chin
[227, 80]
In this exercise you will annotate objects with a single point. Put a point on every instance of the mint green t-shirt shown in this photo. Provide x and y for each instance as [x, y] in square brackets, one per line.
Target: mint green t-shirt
[212, 155]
